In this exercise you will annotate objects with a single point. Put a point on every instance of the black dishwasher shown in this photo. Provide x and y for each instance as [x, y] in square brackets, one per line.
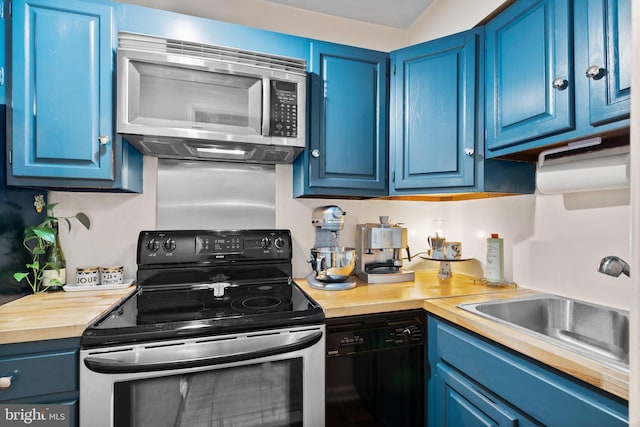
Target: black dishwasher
[375, 370]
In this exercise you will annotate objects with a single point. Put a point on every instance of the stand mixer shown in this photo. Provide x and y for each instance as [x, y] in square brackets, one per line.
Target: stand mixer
[331, 264]
[379, 252]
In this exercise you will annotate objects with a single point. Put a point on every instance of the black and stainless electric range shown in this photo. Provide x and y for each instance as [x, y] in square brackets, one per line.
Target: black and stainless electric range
[217, 333]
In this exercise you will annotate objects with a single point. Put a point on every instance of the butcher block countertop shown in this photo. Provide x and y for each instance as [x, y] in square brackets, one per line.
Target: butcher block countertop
[441, 297]
[53, 315]
[605, 377]
[379, 298]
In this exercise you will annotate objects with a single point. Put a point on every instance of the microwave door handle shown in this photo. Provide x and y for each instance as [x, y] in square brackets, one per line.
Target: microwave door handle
[266, 106]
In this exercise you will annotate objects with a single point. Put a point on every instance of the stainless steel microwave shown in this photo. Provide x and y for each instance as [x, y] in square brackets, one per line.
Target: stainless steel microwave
[179, 99]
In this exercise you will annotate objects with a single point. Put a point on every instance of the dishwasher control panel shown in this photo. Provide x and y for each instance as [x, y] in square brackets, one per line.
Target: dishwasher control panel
[358, 334]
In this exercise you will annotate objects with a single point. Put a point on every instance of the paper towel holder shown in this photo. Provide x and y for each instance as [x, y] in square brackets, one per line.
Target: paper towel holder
[595, 170]
[571, 146]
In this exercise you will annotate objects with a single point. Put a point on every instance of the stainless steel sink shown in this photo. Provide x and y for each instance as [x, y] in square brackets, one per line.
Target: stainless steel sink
[595, 331]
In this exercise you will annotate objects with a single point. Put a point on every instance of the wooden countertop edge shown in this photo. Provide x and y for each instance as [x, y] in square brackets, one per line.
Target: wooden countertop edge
[604, 377]
[27, 326]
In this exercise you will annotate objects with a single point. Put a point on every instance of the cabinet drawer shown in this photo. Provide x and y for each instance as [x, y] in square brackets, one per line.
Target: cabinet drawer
[39, 374]
[537, 390]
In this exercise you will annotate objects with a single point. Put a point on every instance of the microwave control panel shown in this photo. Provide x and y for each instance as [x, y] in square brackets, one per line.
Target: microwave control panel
[284, 109]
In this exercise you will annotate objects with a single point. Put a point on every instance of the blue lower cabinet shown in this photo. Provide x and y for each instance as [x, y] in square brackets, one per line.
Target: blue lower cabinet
[466, 404]
[42, 373]
[347, 144]
[437, 134]
[474, 381]
[61, 131]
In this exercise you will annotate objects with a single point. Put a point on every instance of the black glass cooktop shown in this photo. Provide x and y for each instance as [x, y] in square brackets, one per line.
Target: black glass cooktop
[206, 283]
[158, 314]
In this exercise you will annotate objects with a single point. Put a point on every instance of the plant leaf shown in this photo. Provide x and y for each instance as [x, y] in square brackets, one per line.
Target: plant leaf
[38, 250]
[20, 276]
[45, 233]
[84, 220]
[68, 222]
[50, 206]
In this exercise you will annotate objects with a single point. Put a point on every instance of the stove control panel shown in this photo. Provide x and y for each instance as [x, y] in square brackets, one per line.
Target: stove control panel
[213, 246]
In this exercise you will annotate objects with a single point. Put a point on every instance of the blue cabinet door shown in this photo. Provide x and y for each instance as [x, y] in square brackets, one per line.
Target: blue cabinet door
[347, 147]
[502, 385]
[529, 87]
[462, 402]
[608, 33]
[42, 372]
[62, 113]
[434, 113]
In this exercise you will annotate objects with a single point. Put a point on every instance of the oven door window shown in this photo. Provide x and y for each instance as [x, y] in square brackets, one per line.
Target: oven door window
[264, 394]
[171, 96]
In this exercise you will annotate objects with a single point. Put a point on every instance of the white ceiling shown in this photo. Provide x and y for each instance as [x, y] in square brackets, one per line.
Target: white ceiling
[392, 13]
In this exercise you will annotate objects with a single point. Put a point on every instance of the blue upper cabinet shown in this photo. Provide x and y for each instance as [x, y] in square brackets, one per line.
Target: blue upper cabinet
[62, 129]
[433, 95]
[529, 88]
[607, 35]
[556, 71]
[436, 137]
[347, 143]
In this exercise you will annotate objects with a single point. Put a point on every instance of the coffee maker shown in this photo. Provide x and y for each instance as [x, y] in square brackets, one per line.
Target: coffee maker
[379, 252]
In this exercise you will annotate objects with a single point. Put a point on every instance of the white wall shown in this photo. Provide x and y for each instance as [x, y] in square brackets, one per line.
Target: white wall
[552, 243]
[634, 357]
[444, 17]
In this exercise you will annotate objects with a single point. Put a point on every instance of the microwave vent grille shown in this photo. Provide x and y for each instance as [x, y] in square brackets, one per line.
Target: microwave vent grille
[220, 53]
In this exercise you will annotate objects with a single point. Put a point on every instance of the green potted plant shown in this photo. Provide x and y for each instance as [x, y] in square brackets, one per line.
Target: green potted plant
[43, 244]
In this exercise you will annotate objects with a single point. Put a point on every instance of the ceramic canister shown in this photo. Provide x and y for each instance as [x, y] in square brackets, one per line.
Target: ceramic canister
[111, 275]
[86, 276]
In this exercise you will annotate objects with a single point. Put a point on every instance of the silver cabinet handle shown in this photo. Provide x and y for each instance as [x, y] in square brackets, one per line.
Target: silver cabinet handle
[559, 83]
[469, 151]
[315, 153]
[593, 72]
[103, 139]
[5, 383]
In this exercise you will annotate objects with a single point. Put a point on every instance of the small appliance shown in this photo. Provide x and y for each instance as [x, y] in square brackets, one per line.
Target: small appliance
[332, 264]
[379, 252]
[185, 100]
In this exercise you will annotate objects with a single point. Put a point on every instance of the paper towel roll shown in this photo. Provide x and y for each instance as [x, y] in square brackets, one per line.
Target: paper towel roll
[575, 173]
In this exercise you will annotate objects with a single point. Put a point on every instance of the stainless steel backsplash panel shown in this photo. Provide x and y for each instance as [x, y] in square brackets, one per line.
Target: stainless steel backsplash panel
[215, 195]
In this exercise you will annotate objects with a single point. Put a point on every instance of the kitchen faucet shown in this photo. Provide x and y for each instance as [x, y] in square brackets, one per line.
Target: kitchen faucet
[613, 266]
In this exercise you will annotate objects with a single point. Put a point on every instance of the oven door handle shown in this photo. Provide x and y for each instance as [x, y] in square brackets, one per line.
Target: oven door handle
[107, 365]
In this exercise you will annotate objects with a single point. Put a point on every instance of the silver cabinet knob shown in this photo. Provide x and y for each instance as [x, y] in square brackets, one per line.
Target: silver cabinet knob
[103, 139]
[594, 72]
[315, 153]
[5, 383]
[559, 83]
[469, 151]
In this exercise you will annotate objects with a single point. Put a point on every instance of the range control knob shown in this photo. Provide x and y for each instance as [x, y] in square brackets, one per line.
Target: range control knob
[169, 245]
[153, 245]
[280, 243]
[265, 243]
